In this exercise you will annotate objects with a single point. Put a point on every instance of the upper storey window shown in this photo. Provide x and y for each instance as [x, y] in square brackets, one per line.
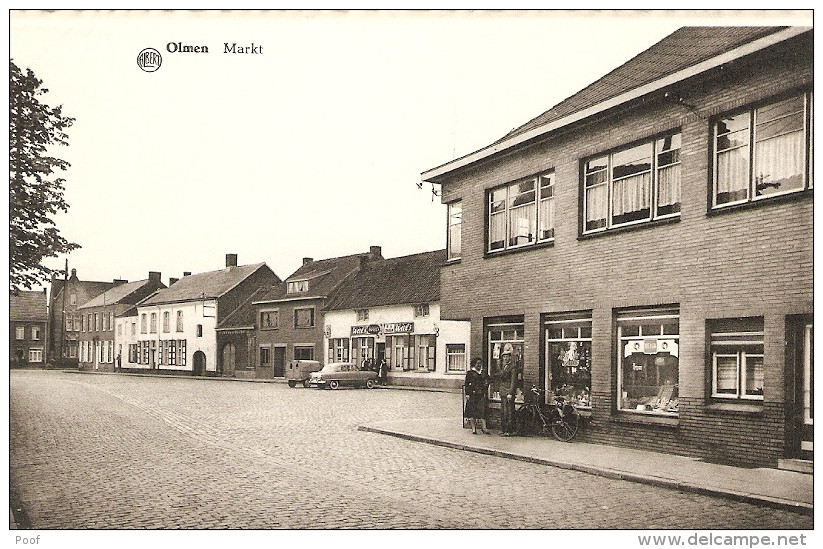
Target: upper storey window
[632, 185]
[762, 152]
[521, 213]
[297, 286]
[455, 229]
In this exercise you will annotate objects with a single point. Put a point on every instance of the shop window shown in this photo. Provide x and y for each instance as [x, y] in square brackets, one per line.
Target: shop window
[501, 337]
[648, 361]
[737, 359]
[166, 322]
[303, 352]
[179, 321]
[362, 349]
[35, 355]
[20, 333]
[338, 350]
[426, 352]
[362, 315]
[569, 357]
[762, 152]
[454, 235]
[517, 210]
[265, 356]
[455, 358]
[269, 320]
[304, 318]
[132, 353]
[633, 185]
[421, 309]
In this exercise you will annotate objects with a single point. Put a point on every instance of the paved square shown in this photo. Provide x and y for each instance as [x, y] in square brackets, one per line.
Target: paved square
[111, 451]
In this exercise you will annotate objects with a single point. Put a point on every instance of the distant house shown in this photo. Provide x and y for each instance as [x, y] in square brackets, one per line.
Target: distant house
[27, 328]
[64, 321]
[97, 337]
[285, 321]
[176, 326]
[390, 310]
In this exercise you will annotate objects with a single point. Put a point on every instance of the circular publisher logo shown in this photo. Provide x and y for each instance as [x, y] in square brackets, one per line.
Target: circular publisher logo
[149, 59]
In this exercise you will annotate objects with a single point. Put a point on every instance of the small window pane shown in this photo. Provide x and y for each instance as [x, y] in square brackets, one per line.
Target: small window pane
[754, 375]
[727, 375]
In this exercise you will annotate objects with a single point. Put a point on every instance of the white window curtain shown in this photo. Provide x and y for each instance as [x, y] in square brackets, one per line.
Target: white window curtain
[596, 202]
[631, 194]
[733, 170]
[497, 227]
[523, 224]
[779, 159]
[546, 215]
[668, 185]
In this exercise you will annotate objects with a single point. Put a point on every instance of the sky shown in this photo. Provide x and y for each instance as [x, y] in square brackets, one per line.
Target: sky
[312, 147]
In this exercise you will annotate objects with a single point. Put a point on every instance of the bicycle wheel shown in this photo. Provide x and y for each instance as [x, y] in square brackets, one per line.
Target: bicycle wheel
[565, 428]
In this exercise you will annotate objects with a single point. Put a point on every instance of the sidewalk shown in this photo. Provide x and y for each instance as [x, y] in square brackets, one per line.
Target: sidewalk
[762, 486]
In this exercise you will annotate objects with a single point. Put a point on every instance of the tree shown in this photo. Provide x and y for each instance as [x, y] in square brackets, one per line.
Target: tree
[35, 190]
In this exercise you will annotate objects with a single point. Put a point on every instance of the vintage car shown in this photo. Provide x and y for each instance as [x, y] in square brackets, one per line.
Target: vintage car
[339, 374]
[299, 371]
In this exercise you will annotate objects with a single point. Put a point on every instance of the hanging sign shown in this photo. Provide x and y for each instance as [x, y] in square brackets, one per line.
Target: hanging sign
[651, 346]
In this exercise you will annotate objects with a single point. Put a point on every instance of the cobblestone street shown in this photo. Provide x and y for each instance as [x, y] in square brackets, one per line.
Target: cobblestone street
[110, 451]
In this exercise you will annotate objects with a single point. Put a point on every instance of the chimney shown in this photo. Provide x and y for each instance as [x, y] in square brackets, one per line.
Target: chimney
[307, 260]
[375, 252]
[231, 260]
[154, 276]
[186, 273]
[172, 280]
[118, 281]
[74, 274]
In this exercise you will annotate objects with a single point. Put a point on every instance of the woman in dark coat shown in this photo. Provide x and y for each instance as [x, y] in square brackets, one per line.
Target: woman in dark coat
[476, 387]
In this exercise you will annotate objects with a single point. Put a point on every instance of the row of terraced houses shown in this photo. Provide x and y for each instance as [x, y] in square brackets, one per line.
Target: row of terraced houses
[645, 247]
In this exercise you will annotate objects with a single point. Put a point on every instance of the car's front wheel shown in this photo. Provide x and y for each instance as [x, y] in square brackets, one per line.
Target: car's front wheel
[334, 384]
[292, 383]
[369, 384]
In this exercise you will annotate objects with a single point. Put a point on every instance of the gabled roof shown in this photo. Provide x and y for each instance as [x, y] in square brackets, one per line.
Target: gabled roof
[323, 275]
[89, 288]
[683, 54]
[122, 293]
[131, 311]
[27, 305]
[209, 285]
[399, 280]
[683, 48]
[244, 315]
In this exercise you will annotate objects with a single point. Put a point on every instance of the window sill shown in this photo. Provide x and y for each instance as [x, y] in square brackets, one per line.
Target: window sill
[453, 261]
[539, 245]
[761, 202]
[456, 373]
[735, 408]
[627, 228]
[646, 419]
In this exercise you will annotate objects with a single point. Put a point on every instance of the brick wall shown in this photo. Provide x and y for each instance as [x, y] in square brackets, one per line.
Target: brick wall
[754, 261]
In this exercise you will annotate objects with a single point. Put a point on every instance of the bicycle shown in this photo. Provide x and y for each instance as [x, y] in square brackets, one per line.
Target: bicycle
[561, 418]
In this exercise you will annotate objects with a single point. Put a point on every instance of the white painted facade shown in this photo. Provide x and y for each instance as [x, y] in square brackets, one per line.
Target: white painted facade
[125, 334]
[392, 321]
[198, 317]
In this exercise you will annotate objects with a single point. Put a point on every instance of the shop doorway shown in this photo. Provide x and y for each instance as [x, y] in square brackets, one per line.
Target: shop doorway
[807, 394]
[800, 366]
[199, 363]
[380, 353]
[279, 361]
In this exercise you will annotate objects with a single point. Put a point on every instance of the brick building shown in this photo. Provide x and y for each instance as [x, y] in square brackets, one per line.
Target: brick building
[65, 297]
[646, 247]
[390, 310]
[284, 321]
[176, 326]
[98, 348]
[27, 328]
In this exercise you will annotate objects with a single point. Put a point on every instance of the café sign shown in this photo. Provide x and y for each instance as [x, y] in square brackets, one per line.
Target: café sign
[387, 328]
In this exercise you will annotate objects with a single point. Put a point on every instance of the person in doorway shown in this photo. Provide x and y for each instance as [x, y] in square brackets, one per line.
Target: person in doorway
[509, 378]
[476, 387]
[383, 371]
[366, 365]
